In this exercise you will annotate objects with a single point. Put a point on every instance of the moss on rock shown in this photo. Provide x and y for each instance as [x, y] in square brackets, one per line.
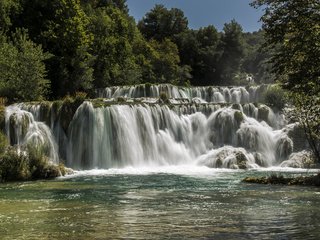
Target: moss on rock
[280, 179]
[238, 116]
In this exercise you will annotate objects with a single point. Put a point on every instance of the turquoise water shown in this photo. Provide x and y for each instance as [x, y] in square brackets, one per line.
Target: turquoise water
[175, 203]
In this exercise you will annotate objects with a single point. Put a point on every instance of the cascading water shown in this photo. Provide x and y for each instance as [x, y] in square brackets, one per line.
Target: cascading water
[116, 135]
[22, 129]
[207, 94]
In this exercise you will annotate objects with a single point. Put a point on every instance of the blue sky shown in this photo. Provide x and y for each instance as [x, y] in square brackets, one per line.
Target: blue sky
[201, 13]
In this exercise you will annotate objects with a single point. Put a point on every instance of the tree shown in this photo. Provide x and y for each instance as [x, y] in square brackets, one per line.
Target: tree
[161, 23]
[22, 70]
[115, 36]
[61, 27]
[69, 40]
[232, 52]
[306, 112]
[293, 29]
[119, 4]
[8, 11]
[256, 59]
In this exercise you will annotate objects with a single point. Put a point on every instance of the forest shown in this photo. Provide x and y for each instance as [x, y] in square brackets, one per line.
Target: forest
[53, 48]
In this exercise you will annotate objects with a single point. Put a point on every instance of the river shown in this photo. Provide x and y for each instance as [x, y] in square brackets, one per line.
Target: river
[160, 203]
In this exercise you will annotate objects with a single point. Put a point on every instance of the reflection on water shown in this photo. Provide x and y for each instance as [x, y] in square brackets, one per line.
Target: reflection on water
[142, 205]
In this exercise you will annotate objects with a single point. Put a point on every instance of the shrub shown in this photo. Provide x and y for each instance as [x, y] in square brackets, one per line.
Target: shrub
[275, 97]
[121, 100]
[80, 97]
[14, 166]
[2, 116]
[164, 97]
[27, 164]
[238, 116]
[3, 143]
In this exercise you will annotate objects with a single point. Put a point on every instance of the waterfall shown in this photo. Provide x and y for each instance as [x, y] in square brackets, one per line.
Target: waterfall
[206, 94]
[229, 131]
[22, 129]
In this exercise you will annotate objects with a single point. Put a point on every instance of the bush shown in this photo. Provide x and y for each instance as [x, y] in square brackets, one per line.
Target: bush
[275, 97]
[2, 116]
[27, 164]
[164, 97]
[3, 143]
[14, 166]
[80, 97]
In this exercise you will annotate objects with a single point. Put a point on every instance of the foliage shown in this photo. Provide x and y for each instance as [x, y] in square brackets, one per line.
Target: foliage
[165, 60]
[292, 28]
[306, 111]
[2, 113]
[3, 143]
[115, 38]
[8, 11]
[95, 44]
[198, 49]
[26, 164]
[22, 71]
[232, 51]
[14, 166]
[164, 97]
[275, 97]
[69, 41]
[161, 23]
[256, 59]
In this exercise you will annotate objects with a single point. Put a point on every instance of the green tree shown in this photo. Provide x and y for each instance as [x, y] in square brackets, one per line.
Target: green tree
[161, 23]
[61, 27]
[256, 59]
[115, 36]
[119, 4]
[232, 52]
[293, 29]
[161, 62]
[22, 70]
[8, 11]
[69, 40]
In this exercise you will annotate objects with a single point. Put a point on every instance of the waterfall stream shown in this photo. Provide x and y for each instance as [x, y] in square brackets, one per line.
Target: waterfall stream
[215, 134]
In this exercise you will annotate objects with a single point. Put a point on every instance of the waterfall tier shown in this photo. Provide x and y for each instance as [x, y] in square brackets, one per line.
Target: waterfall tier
[105, 134]
[208, 94]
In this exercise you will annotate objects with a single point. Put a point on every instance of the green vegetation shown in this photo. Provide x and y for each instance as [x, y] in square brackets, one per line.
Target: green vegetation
[22, 70]
[27, 164]
[275, 97]
[54, 48]
[292, 28]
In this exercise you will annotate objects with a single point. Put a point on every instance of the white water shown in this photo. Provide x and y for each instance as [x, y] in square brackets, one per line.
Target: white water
[22, 129]
[206, 94]
[153, 135]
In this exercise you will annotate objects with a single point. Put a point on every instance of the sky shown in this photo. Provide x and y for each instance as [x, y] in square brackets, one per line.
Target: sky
[202, 13]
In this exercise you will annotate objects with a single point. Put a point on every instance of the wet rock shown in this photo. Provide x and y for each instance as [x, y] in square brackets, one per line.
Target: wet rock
[284, 148]
[263, 113]
[301, 159]
[226, 157]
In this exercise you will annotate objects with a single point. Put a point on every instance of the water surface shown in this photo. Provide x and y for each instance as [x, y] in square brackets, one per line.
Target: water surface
[176, 203]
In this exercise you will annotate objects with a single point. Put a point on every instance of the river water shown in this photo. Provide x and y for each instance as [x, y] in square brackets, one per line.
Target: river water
[161, 203]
